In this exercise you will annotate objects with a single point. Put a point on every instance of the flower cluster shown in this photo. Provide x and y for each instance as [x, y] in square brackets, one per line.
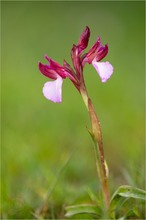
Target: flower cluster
[52, 90]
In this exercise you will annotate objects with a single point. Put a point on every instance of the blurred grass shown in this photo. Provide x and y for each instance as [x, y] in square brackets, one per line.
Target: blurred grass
[37, 135]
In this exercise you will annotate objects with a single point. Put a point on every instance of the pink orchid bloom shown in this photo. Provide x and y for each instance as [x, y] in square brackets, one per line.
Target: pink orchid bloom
[52, 90]
[104, 69]
[94, 55]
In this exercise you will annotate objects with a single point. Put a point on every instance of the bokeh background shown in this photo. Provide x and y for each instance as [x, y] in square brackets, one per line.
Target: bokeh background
[38, 136]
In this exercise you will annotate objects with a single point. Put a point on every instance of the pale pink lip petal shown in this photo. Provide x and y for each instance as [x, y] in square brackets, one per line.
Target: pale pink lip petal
[104, 69]
[53, 90]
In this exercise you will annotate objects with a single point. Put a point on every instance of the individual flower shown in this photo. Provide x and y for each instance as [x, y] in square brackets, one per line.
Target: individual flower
[52, 90]
[94, 55]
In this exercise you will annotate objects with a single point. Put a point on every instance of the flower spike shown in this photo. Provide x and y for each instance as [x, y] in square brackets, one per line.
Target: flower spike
[53, 70]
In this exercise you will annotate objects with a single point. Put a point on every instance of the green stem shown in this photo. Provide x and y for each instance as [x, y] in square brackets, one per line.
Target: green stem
[98, 144]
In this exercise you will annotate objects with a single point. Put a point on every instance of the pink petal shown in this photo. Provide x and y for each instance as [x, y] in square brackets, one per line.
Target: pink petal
[47, 71]
[53, 90]
[104, 69]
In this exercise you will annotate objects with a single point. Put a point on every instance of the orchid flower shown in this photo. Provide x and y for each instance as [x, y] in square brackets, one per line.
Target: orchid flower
[95, 54]
[52, 90]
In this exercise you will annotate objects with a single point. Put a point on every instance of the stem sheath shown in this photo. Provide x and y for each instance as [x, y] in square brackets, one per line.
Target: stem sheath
[98, 145]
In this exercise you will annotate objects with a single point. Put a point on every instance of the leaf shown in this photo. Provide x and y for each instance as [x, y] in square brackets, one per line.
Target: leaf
[130, 192]
[82, 209]
[132, 213]
[121, 196]
[116, 205]
[90, 132]
[92, 196]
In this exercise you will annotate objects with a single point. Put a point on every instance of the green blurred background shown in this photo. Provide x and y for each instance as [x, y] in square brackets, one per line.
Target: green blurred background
[38, 136]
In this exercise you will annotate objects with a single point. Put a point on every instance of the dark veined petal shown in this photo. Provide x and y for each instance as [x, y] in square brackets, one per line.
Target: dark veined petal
[92, 52]
[67, 67]
[56, 67]
[97, 51]
[70, 72]
[76, 59]
[102, 52]
[83, 40]
[47, 71]
[84, 59]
